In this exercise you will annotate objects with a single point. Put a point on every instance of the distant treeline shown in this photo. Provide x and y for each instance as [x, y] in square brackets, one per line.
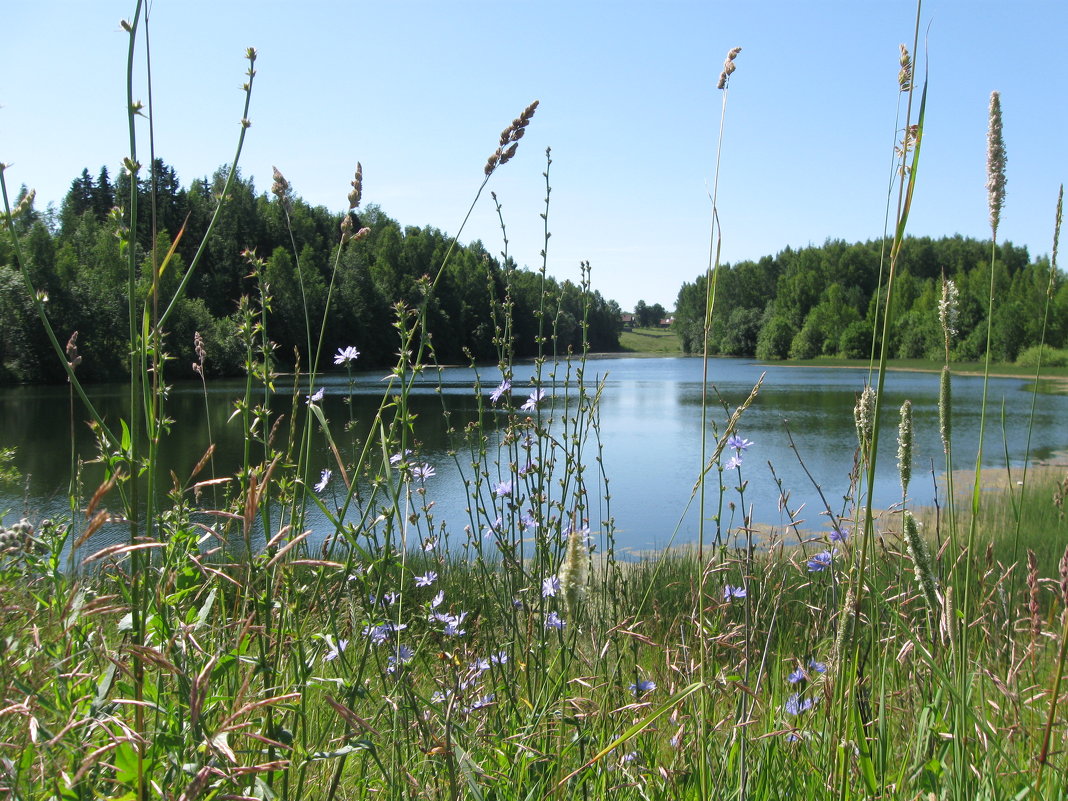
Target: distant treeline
[77, 258]
[823, 301]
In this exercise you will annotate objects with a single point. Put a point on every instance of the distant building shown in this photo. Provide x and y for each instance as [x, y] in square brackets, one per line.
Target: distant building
[629, 321]
[667, 322]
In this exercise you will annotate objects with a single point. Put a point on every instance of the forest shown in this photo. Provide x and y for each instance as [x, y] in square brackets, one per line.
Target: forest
[823, 301]
[77, 261]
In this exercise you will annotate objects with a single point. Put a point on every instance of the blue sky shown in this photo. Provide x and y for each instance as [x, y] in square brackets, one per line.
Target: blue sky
[419, 91]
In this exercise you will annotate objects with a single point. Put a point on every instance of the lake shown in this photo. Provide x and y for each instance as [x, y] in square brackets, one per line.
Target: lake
[649, 437]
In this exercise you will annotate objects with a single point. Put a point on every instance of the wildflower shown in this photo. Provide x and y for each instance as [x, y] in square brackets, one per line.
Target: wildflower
[733, 592]
[479, 666]
[438, 697]
[503, 489]
[821, 561]
[630, 756]
[839, 534]
[817, 667]
[426, 580]
[492, 529]
[452, 623]
[391, 598]
[499, 658]
[335, 650]
[397, 458]
[798, 674]
[346, 355]
[553, 621]
[738, 443]
[324, 479]
[484, 701]
[528, 468]
[733, 463]
[642, 686]
[423, 471]
[316, 396]
[550, 586]
[435, 602]
[402, 656]
[528, 521]
[795, 705]
[527, 442]
[532, 401]
[379, 633]
[503, 387]
[430, 544]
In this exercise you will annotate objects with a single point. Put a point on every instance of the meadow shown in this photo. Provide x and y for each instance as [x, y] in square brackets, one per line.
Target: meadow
[511, 655]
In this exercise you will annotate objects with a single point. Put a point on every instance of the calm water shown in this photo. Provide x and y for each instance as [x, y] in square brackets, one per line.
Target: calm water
[650, 428]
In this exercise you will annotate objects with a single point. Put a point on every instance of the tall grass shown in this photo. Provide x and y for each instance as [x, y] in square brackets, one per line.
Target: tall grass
[225, 650]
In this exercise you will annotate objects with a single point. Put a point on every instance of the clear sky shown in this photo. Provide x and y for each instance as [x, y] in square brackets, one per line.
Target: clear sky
[419, 92]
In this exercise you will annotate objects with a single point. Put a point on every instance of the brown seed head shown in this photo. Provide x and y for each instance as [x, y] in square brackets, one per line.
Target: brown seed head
[904, 77]
[73, 359]
[728, 67]
[357, 187]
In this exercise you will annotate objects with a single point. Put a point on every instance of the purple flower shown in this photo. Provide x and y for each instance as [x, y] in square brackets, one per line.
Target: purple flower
[397, 458]
[738, 443]
[550, 586]
[821, 561]
[499, 658]
[503, 489]
[503, 387]
[817, 667]
[795, 705]
[479, 665]
[346, 355]
[839, 534]
[553, 621]
[435, 602]
[426, 580]
[324, 479]
[528, 520]
[452, 623]
[797, 675]
[733, 463]
[381, 632]
[335, 650]
[485, 700]
[316, 396]
[643, 686]
[422, 472]
[733, 592]
[402, 656]
[532, 401]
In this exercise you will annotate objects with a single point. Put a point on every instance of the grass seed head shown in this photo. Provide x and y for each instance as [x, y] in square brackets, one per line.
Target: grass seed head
[995, 163]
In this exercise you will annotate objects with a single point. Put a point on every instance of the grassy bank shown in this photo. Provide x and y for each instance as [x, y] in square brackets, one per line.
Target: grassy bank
[650, 341]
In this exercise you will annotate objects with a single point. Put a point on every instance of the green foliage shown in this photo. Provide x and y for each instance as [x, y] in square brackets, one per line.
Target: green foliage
[823, 301]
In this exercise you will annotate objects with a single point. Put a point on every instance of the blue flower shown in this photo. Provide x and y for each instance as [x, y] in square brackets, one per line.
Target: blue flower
[422, 472]
[402, 656]
[316, 396]
[503, 387]
[553, 621]
[795, 705]
[485, 700]
[532, 401]
[738, 443]
[821, 561]
[839, 534]
[503, 489]
[324, 479]
[643, 686]
[527, 520]
[817, 667]
[437, 599]
[550, 586]
[733, 592]
[335, 651]
[733, 463]
[346, 355]
[426, 580]
[797, 675]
